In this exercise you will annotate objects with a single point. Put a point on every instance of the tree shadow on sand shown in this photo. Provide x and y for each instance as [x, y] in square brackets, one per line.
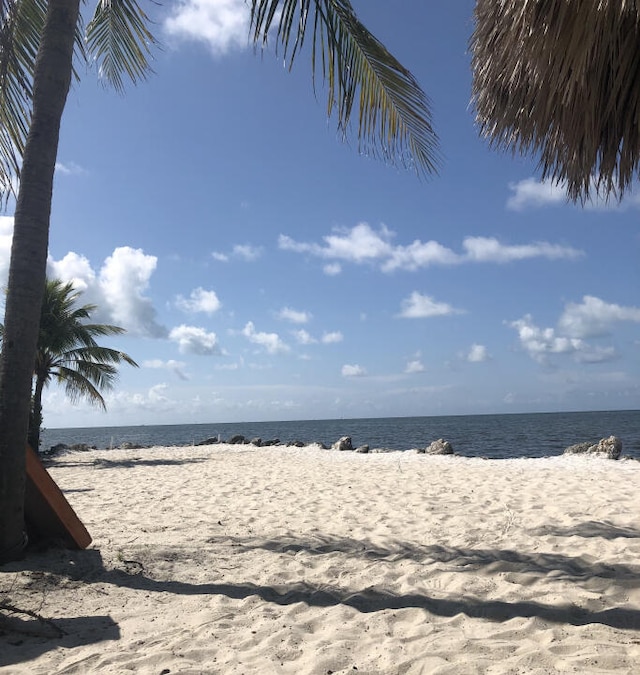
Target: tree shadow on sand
[26, 637]
[88, 566]
[101, 463]
[589, 529]
[575, 569]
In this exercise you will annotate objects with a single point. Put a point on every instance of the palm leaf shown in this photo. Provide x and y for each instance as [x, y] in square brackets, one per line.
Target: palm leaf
[562, 78]
[119, 40]
[394, 117]
[20, 30]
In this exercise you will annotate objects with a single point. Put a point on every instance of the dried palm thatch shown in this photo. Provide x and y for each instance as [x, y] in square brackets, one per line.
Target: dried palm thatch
[562, 78]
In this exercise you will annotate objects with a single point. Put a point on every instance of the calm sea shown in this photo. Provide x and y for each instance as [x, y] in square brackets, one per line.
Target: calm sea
[491, 436]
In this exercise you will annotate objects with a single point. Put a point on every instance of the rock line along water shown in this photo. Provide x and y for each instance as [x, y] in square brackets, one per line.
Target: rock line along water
[491, 436]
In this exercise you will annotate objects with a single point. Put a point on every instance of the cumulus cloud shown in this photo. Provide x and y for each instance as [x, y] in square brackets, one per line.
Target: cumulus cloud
[200, 300]
[271, 342]
[477, 354]
[531, 192]
[222, 25]
[362, 244]
[332, 338]
[123, 279]
[304, 338]
[195, 340]
[541, 343]
[117, 289]
[353, 371]
[594, 317]
[419, 306]
[294, 316]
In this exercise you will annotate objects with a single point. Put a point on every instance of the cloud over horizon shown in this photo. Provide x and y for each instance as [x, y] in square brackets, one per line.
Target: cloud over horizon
[361, 244]
[592, 318]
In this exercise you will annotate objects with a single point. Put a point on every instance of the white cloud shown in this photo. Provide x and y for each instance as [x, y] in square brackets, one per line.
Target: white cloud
[362, 244]
[176, 367]
[247, 252]
[477, 354]
[270, 341]
[195, 340]
[122, 280]
[304, 338]
[332, 269]
[6, 235]
[294, 316]
[332, 337]
[414, 366]
[244, 252]
[541, 343]
[117, 290]
[489, 249]
[358, 244]
[420, 254]
[353, 371]
[222, 25]
[531, 192]
[199, 301]
[69, 168]
[418, 306]
[594, 317]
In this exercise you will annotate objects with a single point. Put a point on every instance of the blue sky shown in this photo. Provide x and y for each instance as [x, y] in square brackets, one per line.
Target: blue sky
[265, 270]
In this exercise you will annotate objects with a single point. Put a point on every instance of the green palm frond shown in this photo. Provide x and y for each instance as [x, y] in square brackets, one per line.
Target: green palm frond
[22, 22]
[394, 117]
[78, 386]
[21, 26]
[119, 40]
[67, 347]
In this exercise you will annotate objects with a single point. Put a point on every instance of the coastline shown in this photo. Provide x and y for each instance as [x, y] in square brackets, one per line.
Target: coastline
[235, 559]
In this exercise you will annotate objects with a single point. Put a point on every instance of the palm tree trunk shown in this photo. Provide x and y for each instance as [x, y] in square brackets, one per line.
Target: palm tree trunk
[27, 270]
[35, 416]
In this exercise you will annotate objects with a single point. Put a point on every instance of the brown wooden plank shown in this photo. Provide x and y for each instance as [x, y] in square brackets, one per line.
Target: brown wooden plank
[47, 510]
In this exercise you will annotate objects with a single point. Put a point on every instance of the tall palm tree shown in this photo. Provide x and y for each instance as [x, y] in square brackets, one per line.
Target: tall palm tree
[68, 351]
[37, 40]
[562, 78]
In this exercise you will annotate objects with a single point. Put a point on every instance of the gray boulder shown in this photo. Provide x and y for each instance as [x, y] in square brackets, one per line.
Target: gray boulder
[611, 448]
[209, 441]
[343, 444]
[439, 447]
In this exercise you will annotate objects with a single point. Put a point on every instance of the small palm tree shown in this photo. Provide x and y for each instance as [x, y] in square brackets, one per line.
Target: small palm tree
[68, 351]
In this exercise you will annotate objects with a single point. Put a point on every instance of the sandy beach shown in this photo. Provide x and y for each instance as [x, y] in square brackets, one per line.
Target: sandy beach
[234, 559]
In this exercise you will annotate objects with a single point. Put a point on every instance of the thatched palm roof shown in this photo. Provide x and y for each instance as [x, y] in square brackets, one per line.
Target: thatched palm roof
[562, 78]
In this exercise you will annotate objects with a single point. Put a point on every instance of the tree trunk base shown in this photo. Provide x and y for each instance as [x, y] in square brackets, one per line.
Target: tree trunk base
[16, 552]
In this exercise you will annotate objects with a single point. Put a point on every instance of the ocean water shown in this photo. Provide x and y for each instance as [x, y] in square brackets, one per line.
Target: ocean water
[491, 436]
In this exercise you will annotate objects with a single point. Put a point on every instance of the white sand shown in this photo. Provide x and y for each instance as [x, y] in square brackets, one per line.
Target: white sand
[227, 559]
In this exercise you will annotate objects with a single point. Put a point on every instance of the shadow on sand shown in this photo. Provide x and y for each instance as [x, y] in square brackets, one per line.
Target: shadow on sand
[87, 566]
[24, 639]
